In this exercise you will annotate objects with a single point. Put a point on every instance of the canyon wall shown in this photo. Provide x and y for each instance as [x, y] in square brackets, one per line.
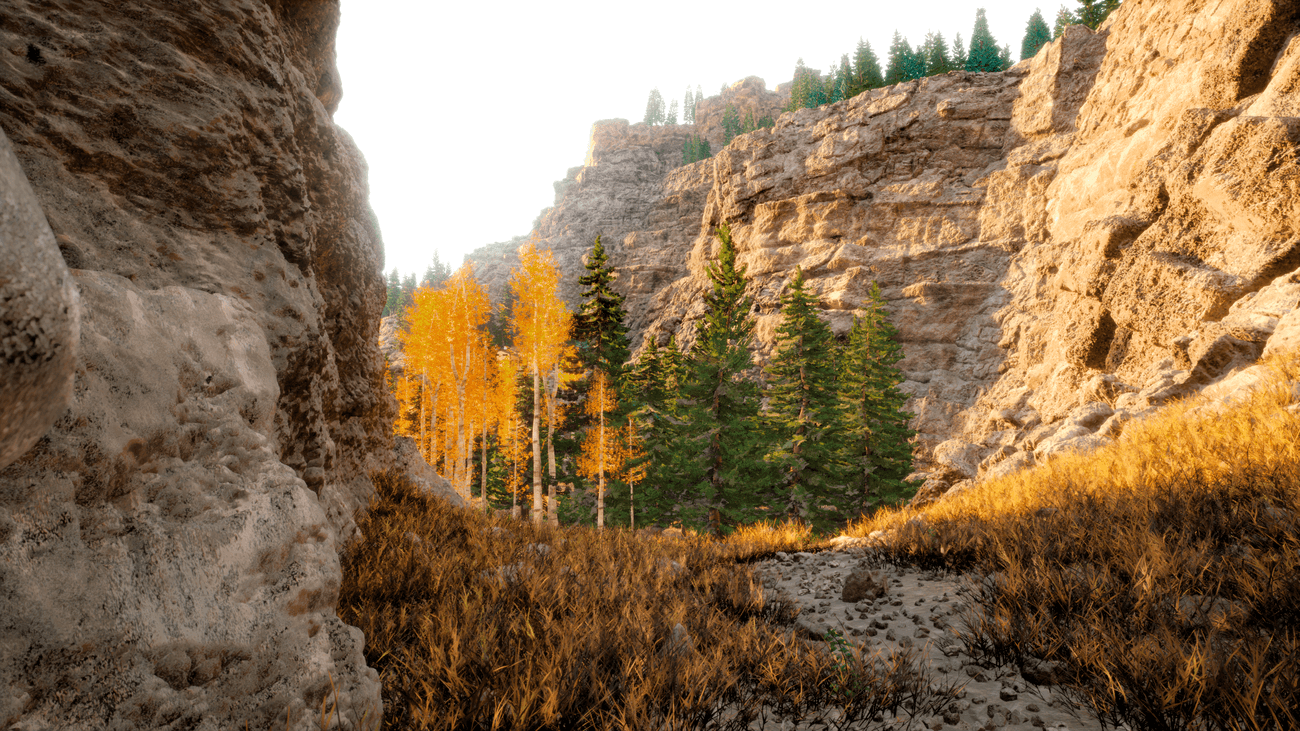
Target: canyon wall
[1063, 246]
[169, 548]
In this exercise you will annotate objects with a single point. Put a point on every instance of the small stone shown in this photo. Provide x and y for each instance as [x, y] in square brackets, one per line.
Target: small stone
[1008, 694]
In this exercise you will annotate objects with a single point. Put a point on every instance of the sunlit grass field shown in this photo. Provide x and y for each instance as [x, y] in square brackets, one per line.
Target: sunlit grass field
[1157, 577]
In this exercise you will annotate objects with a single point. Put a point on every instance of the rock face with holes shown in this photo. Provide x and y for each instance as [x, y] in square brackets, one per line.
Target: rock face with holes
[1110, 224]
[169, 548]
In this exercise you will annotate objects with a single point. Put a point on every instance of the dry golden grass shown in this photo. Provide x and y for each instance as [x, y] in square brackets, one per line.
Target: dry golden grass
[473, 626]
[1162, 573]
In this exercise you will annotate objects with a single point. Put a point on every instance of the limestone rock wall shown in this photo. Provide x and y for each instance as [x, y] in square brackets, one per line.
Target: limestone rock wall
[169, 549]
[1101, 228]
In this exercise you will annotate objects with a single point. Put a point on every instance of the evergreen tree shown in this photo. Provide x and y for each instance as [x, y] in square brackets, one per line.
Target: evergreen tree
[984, 52]
[900, 60]
[958, 53]
[844, 78]
[731, 125]
[866, 70]
[408, 294]
[880, 446]
[436, 273]
[646, 376]
[654, 108]
[1064, 17]
[1005, 57]
[937, 59]
[801, 88]
[672, 113]
[1093, 12]
[695, 148]
[695, 106]
[688, 107]
[394, 294]
[1037, 35]
[598, 327]
[712, 470]
[805, 413]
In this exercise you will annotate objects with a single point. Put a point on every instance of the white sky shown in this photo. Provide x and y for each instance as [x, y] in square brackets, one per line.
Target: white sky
[467, 111]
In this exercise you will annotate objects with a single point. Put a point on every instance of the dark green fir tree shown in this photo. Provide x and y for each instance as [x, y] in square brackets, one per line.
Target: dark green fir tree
[394, 294]
[984, 52]
[806, 417]
[958, 53]
[937, 58]
[900, 60]
[599, 328]
[880, 438]
[688, 107]
[1037, 35]
[713, 471]
[1064, 17]
[1093, 12]
[866, 70]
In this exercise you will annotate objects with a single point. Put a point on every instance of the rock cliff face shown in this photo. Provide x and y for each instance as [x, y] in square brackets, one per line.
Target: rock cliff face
[1064, 245]
[169, 549]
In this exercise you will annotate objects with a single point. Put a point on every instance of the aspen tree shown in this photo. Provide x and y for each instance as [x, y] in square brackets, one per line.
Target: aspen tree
[467, 309]
[541, 325]
[600, 449]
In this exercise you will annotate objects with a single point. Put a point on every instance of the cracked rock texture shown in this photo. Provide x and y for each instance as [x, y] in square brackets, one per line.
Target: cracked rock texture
[1112, 223]
[169, 548]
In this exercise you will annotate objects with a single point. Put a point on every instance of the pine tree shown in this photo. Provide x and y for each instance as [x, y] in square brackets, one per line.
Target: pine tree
[599, 457]
[958, 53]
[598, 326]
[1092, 12]
[713, 470]
[866, 70]
[1064, 17]
[699, 99]
[984, 52]
[688, 108]
[897, 66]
[1037, 35]
[654, 108]
[937, 60]
[408, 293]
[394, 300]
[801, 93]
[805, 414]
[844, 78]
[672, 113]
[645, 377]
[730, 124]
[436, 273]
[880, 446]
[1005, 57]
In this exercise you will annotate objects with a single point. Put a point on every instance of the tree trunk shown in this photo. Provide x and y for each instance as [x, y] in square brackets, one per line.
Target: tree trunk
[600, 490]
[537, 445]
[552, 389]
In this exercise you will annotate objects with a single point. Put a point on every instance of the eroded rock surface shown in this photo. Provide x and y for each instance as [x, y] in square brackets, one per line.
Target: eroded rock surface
[169, 549]
[39, 316]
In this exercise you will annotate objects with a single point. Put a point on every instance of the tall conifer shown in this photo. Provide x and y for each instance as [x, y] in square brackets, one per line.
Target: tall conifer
[1064, 17]
[599, 327]
[937, 59]
[654, 108]
[805, 413]
[958, 53]
[714, 472]
[1037, 35]
[984, 52]
[688, 107]
[880, 446]
[866, 69]
[900, 54]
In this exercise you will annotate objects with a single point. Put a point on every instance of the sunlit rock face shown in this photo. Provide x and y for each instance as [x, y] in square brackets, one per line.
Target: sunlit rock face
[1112, 219]
[169, 548]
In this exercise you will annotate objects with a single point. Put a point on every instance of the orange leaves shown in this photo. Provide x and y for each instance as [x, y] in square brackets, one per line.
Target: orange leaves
[541, 319]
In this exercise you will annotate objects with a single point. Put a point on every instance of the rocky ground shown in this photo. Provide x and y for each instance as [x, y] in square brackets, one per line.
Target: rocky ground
[906, 608]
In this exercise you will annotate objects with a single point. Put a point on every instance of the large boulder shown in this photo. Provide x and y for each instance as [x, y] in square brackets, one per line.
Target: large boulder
[38, 316]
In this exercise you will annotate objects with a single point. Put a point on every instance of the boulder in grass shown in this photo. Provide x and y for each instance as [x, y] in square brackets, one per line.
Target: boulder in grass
[864, 584]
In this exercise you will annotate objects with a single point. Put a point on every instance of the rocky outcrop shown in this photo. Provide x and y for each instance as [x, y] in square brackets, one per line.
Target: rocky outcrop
[169, 549]
[39, 316]
[1111, 224]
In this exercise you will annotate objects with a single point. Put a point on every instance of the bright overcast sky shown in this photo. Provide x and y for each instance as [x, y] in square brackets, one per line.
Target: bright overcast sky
[467, 112]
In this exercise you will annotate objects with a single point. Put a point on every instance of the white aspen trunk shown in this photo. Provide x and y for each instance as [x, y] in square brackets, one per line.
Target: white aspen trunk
[631, 486]
[552, 389]
[537, 445]
[600, 490]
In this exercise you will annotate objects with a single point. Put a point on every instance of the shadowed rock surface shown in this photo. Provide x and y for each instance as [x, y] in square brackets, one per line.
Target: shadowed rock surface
[169, 549]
